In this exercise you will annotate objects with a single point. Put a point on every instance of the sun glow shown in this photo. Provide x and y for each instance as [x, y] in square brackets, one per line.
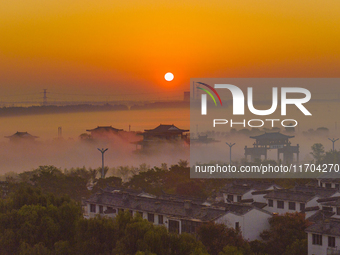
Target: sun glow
[169, 76]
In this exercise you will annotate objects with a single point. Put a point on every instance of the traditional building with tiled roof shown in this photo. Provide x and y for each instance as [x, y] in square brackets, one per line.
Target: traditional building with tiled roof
[162, 133]
[21, 136]
[296, 199]
[324, 237]
[178, 215]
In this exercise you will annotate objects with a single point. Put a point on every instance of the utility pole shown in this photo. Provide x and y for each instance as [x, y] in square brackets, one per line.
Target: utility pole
[333, 141]
[45, 97]
[230, 145]
[103, 151]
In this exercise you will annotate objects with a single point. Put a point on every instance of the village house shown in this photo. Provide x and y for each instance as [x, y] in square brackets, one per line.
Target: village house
[244, 191]
[329, 180]
[324, 237]
[177, 215]
[297, 199]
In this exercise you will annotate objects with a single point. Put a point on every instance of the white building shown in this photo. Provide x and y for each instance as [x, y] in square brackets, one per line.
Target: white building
[329, 180]
[324, 237]
[243, 190]
[297, 199]
[178, 215]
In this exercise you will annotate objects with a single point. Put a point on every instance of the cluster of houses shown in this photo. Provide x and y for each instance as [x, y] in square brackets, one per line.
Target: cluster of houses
[246, 205]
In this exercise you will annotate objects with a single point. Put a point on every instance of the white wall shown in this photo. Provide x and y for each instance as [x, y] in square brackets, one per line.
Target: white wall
[251, 224]
[320, 249]
[285, 209]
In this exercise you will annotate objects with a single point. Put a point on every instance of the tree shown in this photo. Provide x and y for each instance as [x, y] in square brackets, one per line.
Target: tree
[231, 250]
[331, 157]
[317, 152]
[284, 231]
[217, 236]
[299, 247]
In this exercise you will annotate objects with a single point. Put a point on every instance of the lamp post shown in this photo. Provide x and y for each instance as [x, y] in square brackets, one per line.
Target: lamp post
[333, 141]
[230, 145]
[103, 151]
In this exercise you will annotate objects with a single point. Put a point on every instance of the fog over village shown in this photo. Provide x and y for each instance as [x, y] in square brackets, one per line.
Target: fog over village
[169, 127]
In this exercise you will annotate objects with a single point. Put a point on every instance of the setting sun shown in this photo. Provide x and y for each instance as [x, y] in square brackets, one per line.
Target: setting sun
[169, 76]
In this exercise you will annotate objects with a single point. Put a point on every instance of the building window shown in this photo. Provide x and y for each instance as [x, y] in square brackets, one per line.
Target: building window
[291, 205]
[188, 226]
[239, 198]
[120, 210]
[230, 198]
[327, 208]
[270, 203]
[331, 241]
[174, 226]
[302, 206]
[338, 211]
[317, 239]
[280, 204]
[237, 225]
[140, 213]
[328, 185]
[160, 219]
[101, 209]
[92, 208]
[151, 217]
[337, 186]
[110, 210]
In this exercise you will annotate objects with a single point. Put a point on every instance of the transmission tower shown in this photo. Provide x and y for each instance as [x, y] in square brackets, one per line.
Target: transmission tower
[45, 97]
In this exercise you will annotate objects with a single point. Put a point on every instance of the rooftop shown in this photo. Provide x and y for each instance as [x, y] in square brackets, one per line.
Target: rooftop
[104, 129]
[300, 193]
[244, 186]
[172, 208]
[271, 136]
[21, 135]
[166, 128]
[326, 227]
[291, 195]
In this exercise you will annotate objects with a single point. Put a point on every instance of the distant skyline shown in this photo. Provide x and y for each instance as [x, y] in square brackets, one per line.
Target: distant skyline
[125, 48]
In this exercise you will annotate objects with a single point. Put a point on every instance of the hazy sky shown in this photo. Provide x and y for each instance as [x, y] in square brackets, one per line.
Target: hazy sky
[108, 47]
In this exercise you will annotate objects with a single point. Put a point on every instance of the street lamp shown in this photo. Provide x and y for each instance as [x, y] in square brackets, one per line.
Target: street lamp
[333, 141]
[230, 145]
[103, 151]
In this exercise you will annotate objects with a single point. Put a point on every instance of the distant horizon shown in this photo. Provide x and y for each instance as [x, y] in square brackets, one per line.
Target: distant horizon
[93, 48]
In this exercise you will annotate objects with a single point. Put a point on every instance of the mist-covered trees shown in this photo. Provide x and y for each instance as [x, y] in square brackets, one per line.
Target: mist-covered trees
[322, 157]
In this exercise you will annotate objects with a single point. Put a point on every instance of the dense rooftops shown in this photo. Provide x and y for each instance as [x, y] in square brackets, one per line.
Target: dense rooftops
[328, 227]
[184, 209]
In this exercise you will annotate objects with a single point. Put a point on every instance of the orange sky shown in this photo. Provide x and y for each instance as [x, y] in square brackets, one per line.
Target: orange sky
[111, 48]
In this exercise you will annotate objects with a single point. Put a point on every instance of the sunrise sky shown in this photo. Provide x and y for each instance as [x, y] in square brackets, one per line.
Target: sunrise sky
[124, 48]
